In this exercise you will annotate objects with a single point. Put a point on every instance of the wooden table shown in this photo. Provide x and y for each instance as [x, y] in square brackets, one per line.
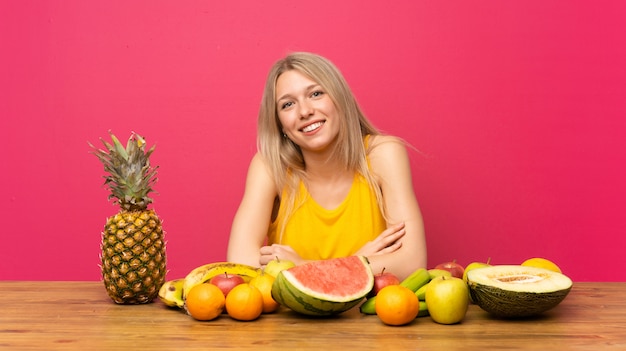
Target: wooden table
[80, 316]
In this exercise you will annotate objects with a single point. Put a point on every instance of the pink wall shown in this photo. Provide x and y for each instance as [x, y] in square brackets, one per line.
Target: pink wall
[518, 109]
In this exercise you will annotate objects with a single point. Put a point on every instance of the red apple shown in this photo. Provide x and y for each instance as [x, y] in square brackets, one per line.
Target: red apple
[454, 268]
[226, 282]
[383, 279]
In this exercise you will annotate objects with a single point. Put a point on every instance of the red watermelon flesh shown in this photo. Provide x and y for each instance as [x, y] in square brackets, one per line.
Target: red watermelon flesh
[337, 277]
[324, 287]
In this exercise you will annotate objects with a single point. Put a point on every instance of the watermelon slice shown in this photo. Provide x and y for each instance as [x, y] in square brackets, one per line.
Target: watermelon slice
[326, 287]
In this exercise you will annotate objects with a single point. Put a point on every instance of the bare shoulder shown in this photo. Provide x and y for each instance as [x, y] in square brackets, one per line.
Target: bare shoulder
[258, 159]
[259, 164]
[386, 148]
[389, 160]
[259, 173]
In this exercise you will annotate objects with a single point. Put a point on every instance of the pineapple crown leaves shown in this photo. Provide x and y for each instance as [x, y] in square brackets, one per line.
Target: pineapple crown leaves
[130, 177]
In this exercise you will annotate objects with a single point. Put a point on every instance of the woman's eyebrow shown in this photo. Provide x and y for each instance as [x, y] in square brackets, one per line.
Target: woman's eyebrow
[308, 88]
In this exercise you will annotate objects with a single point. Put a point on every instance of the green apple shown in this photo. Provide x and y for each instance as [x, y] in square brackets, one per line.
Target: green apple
[436, 272]
[275, 266]
[475, 265]
[447, 299]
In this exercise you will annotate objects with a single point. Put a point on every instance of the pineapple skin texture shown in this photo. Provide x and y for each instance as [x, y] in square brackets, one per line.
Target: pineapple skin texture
[133, 256]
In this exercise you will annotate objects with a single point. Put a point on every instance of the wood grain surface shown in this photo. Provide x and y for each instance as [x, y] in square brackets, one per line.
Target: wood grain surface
[80, 316]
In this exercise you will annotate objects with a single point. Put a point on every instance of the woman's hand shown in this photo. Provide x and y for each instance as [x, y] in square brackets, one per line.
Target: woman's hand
[282, 252]
[388, 241]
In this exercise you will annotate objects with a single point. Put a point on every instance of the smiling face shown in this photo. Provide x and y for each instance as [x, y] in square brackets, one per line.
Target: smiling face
[306, 112]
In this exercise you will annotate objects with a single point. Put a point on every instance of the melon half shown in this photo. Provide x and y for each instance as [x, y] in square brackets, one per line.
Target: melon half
[512, 291]
[326, 287]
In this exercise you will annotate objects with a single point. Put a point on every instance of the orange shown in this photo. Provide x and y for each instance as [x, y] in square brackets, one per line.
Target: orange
[205, 302]
[264, 283]
[396, 305]
[244, 302]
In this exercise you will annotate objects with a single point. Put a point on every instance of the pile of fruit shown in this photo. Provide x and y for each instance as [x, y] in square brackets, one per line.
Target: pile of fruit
[329, 287]
[435, 293]
[445, 291]
[241, 291]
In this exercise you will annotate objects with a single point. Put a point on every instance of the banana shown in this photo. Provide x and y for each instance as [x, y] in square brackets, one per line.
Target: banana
[421, 293]
[369, 306]
[171, 293]
[205, 272]
[416, 279]
[423, 311]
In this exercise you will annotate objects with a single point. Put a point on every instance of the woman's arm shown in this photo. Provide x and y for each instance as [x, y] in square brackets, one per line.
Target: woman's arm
[252, 219]
[391, 167]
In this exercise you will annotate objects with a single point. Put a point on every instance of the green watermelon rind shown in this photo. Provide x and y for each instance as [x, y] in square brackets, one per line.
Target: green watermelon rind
[307, 304]
[319, 296]
[293, 295]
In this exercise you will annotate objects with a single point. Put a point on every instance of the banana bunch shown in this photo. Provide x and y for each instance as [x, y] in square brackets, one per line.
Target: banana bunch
[415, 281]
[171, 293]
[174, 292]
[421, 296]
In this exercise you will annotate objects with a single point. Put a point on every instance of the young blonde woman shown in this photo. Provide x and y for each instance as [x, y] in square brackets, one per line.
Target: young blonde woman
[325, 182]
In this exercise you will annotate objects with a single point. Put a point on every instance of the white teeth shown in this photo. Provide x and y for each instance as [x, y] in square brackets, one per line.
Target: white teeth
[312, 127]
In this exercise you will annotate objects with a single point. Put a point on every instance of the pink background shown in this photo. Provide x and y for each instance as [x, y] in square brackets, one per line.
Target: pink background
[517, 108]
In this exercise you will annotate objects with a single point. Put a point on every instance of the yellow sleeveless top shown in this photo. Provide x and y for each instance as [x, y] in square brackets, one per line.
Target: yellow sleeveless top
[317, 233]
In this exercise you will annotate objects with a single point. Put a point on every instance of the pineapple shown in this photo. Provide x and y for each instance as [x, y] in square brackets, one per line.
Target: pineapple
[133, 247]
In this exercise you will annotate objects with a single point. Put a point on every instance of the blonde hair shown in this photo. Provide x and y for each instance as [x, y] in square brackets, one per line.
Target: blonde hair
[283, 156]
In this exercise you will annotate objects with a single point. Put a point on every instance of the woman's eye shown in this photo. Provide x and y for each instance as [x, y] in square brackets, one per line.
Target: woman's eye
[286, 105]
[317, 93]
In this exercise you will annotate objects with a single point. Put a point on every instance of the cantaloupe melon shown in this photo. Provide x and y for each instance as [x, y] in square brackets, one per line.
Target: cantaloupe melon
[326, 287]
[513, 291]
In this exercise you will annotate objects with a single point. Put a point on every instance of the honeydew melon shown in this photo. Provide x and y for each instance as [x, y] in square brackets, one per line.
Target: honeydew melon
[513, 291]
[324, 288]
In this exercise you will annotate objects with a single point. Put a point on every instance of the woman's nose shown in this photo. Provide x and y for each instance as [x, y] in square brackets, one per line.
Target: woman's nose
[306, 109]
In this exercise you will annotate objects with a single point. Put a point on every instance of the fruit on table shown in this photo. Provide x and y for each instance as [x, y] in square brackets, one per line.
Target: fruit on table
[435, 272]
[264, 283]
[423, 309]
[475, 265]
[417, 279]
[207, 271]
[133, 247]
[447, 299]
[453, 267]
[325, 287]
[244, 303]
[396, 305]
[421, 293]
[205, 302]
[413, 282]
[171, 293]
[542, 263]
[381, 280]
[511, 291]
[276, 265]
[226, 282]
[369, 306]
